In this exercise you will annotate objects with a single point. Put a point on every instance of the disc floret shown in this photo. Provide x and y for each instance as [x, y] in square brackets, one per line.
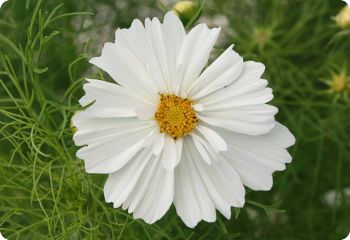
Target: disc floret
[175, 115]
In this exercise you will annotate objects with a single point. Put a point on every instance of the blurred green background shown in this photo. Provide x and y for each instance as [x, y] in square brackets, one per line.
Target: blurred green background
[44, 51]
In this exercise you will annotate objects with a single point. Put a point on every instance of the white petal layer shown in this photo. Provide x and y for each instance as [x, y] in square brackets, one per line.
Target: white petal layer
[195, 52]
[240, 107]
[169, 155]
[157, 47]
[122, 65]
[222, 72]
[171, 58]
[111, 100]
[200, 188]
[142, 186]
[213, 138]
[110, 149]
[255, 158]
[173, 36]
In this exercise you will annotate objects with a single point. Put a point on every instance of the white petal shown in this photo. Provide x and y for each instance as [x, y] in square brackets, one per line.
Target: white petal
[120, 184]
[257, 94]
[240, 125]
[194, 53]
[221, 73]
[109, 100]
[281, 136]
[202, 147]
[213, 138]
[249, 81]
[146, 111]
[163, 48]
[255, 158]
[108, 94]
[169, 155]
[137, 41]
[126, 70]
[155, 34]
[153, 193]
[96, 130]
[106, 154]
[240, 107]
[191, 198]
[87, 124]
[113, 163]
[158, 143]
[157, 47]
[142, 187]
[136, 197]
[179, 144]
[178, 78]
[151, 138]
[198, 107]
[200, 188]
[107, 112]
[173, 34]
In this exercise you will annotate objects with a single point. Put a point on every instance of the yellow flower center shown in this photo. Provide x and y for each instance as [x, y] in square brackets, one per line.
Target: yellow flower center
[175, 115]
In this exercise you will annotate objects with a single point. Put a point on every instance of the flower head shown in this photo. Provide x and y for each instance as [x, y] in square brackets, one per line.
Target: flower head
[171, 130]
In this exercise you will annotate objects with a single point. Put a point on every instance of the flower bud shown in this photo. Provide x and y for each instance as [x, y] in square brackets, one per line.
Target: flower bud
[339, 83]
[343, 18]
[73, 128]
[186, 10]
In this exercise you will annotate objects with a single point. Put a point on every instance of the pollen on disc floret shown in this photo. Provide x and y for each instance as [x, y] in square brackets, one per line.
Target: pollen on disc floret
[175, 115]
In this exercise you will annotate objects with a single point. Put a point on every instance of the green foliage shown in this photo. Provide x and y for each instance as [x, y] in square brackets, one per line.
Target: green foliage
[44, 51]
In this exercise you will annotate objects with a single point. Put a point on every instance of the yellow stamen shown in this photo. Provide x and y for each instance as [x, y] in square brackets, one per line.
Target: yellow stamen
[175, 115]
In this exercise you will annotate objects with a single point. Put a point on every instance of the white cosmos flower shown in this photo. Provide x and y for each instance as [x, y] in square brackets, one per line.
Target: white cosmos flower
[170, 130]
